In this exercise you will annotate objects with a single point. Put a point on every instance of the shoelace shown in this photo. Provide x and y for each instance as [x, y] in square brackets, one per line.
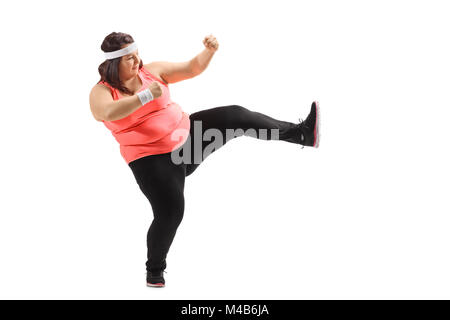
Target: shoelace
[301, 121]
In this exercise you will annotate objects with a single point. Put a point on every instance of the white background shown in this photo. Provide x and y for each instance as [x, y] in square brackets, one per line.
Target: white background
[362, 217]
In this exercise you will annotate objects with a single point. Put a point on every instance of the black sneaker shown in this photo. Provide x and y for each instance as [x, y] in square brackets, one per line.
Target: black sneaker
[155, 279]
[309, 128]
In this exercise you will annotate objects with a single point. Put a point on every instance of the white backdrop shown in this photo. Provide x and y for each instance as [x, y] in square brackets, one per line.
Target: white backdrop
[362, 217]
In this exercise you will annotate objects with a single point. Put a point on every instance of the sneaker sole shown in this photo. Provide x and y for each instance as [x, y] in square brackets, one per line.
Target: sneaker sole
[156, 285]
[317, 126]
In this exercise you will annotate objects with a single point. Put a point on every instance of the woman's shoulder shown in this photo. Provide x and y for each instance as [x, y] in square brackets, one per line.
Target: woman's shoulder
[102, 85]
[152, 71]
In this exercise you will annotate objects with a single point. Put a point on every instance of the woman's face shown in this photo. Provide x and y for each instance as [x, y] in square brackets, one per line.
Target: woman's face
[129, 64]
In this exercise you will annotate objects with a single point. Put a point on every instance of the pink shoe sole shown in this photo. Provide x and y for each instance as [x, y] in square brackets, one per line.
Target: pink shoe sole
[317, 126]
[156, 285]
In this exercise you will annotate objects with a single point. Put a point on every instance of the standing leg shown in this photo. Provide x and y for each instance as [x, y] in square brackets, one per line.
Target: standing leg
[233, 118]
[162, 182]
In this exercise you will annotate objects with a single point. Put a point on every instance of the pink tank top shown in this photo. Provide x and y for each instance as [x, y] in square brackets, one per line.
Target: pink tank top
[158, 126]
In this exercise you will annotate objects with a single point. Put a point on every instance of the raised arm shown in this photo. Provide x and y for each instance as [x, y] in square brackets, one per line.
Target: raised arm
[172, 72]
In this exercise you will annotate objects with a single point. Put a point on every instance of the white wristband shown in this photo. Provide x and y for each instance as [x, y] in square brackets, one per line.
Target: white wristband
[145, 96]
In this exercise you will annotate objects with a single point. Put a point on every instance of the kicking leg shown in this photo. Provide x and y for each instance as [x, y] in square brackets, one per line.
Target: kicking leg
[224, 123]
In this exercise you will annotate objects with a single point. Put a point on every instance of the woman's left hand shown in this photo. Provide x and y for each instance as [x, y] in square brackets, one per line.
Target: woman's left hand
[211, 43]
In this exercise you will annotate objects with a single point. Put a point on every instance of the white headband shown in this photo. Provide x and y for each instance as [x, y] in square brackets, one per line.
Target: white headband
[119, 53]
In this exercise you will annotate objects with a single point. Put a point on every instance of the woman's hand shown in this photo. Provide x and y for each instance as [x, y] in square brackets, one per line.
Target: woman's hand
[155, 89]
[211, 43]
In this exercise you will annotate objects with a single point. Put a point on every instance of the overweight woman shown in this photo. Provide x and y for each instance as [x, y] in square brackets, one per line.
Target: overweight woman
[161, 143]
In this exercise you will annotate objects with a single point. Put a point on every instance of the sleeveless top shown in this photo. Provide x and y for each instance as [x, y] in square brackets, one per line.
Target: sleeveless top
[159, 126]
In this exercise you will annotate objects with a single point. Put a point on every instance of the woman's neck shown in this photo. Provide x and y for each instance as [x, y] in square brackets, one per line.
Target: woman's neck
[133, 84]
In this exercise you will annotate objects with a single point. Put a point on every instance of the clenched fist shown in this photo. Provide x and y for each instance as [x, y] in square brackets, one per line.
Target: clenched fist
[211, 43]
[155, 89]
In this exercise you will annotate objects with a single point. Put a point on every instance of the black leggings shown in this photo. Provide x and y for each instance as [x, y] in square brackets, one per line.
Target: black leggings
[162, 180]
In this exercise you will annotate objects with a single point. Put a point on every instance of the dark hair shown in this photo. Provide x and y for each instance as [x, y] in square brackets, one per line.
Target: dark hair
[109, 69]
